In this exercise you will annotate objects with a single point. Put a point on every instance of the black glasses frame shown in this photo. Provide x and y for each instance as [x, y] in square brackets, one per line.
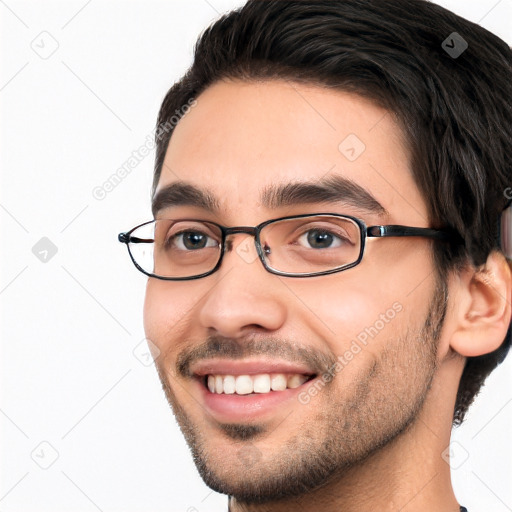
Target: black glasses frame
[391, 230]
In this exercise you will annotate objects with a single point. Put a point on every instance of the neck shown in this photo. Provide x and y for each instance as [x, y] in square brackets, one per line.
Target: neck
[409, 474]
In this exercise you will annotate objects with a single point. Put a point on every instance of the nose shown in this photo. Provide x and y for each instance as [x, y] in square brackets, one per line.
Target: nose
[243, 296]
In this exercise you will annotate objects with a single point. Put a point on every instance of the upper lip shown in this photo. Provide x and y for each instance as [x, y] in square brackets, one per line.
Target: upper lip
[247, 367]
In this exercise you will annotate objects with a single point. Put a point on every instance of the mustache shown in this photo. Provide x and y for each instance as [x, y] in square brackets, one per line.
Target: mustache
[220, 346]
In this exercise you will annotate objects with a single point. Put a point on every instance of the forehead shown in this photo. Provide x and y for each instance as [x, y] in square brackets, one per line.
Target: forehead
[244, 137]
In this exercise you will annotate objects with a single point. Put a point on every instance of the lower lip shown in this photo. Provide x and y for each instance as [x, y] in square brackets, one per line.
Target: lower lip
[235, 407]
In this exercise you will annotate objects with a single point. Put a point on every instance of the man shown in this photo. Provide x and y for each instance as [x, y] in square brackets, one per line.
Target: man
[329, 286]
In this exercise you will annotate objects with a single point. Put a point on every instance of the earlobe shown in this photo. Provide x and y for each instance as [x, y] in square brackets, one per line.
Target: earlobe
[483, 309]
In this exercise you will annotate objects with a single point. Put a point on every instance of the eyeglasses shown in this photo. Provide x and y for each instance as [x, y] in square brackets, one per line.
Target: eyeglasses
[294, 246]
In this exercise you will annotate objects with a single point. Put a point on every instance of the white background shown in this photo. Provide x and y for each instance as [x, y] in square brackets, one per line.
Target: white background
[71, 326]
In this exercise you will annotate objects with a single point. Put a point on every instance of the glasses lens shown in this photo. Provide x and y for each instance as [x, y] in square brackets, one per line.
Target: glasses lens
[176, 248]
[311, 244]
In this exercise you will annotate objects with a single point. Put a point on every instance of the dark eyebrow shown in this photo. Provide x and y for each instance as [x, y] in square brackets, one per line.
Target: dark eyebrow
[333, 189]
[181, 193]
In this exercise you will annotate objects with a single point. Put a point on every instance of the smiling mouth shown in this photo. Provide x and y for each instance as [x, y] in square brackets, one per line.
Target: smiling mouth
[254, 384]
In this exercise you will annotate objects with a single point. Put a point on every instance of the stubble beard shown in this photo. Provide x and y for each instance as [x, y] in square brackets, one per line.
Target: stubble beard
[356, 421]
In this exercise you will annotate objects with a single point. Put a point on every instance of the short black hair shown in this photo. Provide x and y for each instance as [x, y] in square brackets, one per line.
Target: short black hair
[454, 108]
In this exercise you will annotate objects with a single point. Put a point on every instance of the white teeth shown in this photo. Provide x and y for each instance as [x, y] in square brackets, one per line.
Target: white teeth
[243, 385]
[247, 384]
[229, 384]
[261, 383]
[278, 382]
[219, 384]
[211, 383]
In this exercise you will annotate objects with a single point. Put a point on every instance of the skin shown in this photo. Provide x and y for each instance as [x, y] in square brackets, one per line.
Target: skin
[386, 416]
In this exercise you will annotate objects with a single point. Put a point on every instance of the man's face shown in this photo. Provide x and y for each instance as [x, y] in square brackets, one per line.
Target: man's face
[363, 337]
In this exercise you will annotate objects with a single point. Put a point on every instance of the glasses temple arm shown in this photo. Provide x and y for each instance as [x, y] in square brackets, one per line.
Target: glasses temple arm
[396, 230]
[125, 238]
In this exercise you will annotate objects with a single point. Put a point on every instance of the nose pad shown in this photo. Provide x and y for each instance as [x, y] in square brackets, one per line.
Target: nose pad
[228, 245]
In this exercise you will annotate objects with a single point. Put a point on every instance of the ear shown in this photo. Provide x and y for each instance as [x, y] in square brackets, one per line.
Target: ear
[482, 307]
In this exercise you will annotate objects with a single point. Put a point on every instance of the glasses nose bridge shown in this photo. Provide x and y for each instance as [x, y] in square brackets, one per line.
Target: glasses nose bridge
[249, 230]
[241, 229]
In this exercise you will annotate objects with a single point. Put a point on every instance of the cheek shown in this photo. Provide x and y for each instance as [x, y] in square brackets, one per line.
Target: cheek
[340, 306]
[167, 308]
[366, 304]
